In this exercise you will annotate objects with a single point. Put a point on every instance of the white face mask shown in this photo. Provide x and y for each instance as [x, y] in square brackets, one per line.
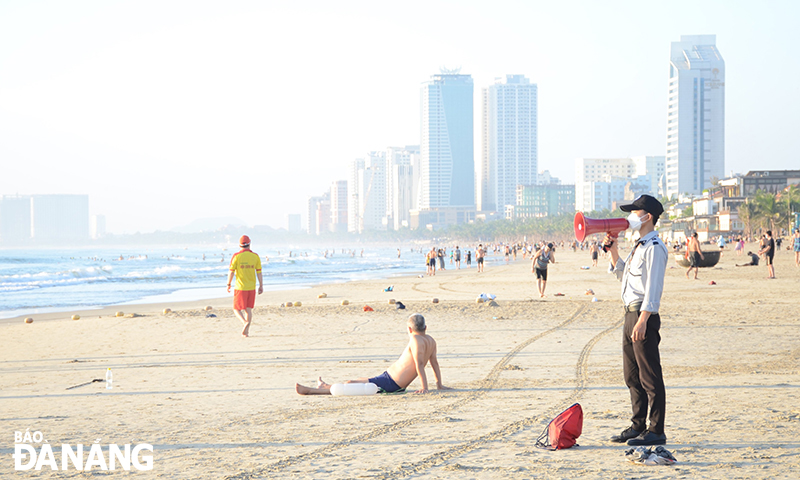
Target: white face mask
[634, 222]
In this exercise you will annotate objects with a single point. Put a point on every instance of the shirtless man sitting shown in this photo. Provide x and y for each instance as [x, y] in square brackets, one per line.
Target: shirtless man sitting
[420, 350]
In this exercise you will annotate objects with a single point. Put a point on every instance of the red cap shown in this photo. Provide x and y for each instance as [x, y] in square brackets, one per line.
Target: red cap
[244, 241]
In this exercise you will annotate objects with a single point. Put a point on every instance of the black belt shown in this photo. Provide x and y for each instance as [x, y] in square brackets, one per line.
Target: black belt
[633, 307]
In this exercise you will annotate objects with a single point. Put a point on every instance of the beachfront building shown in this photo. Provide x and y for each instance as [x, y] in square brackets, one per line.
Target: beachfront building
[601, 183]
[402, 184]
[509, 133]
[772, 181]
[338, 223]
[695, 115]
[447, 164]
[15, 219]
[97, 226]
[319, 214]
[59, 218]
[535, 201]
[367, 207]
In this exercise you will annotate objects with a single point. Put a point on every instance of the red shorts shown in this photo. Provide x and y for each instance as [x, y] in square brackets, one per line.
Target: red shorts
[243, 299]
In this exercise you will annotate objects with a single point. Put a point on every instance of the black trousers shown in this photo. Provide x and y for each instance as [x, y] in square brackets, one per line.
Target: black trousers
[641, 363]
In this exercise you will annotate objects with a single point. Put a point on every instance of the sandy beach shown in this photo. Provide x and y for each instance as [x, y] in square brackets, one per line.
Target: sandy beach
[215, 405]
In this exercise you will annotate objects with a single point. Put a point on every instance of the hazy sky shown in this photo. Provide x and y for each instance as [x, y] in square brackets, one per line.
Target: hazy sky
[169, 111]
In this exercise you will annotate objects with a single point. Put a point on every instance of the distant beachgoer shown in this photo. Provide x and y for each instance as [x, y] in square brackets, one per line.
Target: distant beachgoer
[739, 246]
[440, 256]
[420, 351]
[431, 259]
[458, 258]
[694, 254]
[506, 252]
[595, 253]
[480, 253]
[796, 247]
[469, 258]
[539, 266]
[753, 260]
[769, 252]
[246, 265]
[398, 253]
[721, 244]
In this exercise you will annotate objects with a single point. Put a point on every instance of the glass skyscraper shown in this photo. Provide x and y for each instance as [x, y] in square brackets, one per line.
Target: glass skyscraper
[695, 115]
[447, 164]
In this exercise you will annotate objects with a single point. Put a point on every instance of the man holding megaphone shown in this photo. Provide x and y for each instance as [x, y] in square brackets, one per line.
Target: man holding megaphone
[642, 276]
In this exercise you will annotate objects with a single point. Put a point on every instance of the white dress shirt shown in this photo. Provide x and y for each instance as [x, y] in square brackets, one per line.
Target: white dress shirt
[642, 273]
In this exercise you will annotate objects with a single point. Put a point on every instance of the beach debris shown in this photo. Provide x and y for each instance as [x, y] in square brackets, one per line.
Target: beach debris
[298, 304]
[134, 315]
[585, 267]
[167, 311]
[650, 456]
[389, 288]
[559, 294]
[76, 317]
[208, 308]
[594, 299]
[322, 295]
[289, 304]
[119, 314]
[345, 302]
[485, 297]
[210, 315]
[399, 305]
[283, 305]
[589, 291]
[420, 276]
[87, 383]
[435, 300]
[29, 320]
[712, 282]
[367, 308]
[491, 303]
[391, 301]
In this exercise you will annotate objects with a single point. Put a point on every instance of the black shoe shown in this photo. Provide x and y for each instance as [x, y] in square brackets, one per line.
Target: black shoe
[626, 435]
[648, 438]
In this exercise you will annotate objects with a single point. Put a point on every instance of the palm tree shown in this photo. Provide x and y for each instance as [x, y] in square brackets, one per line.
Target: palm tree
[748, 212]
[790, 202]
[769, 211]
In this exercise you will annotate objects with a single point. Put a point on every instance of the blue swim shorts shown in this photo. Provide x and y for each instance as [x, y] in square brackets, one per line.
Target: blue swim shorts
[385, 383]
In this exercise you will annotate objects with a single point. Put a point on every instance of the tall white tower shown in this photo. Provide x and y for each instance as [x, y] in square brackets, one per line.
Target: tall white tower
[509, 155]
[695, 115]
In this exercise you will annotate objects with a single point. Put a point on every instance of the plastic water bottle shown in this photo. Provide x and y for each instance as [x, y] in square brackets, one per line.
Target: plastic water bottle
[109, 379]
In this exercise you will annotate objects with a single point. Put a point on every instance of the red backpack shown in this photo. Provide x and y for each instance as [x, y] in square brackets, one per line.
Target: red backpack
[563, 430]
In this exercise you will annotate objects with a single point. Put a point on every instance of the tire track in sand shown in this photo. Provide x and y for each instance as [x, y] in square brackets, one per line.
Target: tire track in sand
[581, 378]
[484, 386]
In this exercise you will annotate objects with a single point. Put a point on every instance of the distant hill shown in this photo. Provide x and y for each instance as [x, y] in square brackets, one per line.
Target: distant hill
[209, 224]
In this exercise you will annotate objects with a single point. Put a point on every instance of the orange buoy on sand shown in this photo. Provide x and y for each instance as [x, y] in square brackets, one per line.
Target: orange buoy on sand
[367, 308]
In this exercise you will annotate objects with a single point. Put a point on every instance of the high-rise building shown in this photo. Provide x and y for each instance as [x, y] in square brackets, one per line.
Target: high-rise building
[653, 166]
[60, 218]
[15, 219]
[339, 206]
[294, 223]
[695, 115]
[97, 226]
[509, 155]
[402, 179]
[447, 163]
[367, 207]
[542, 200]
[312, 216]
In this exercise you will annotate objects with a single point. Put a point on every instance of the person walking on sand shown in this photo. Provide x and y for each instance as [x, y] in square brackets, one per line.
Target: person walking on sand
[420, 351]
[246, 265]
[694, 254]
[539, 263]
[480, 253]
[642, 276]
[769, 252]
[458, 258]
[796, 247]
[595, 253]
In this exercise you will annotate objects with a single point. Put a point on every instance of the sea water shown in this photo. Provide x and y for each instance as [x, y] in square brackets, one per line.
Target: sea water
[62, 279]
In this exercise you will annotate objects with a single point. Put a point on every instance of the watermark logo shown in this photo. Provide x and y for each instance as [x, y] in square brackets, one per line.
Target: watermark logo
[27, 456]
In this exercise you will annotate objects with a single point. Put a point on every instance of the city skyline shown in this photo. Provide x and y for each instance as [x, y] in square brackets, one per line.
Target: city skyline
[141, 107]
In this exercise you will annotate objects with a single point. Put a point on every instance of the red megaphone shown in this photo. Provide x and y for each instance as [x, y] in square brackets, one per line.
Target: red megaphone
[586, 226]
